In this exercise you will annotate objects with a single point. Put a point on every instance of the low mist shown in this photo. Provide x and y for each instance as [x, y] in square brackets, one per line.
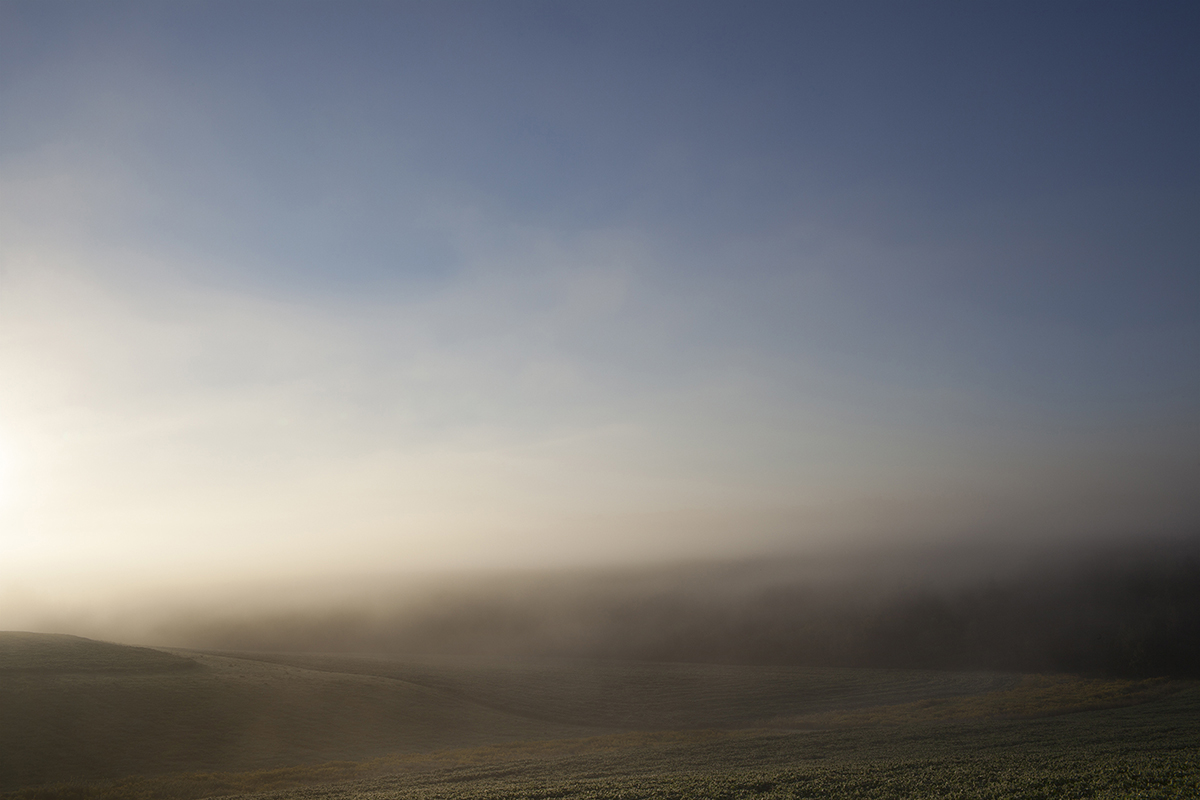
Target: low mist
[1126, 607]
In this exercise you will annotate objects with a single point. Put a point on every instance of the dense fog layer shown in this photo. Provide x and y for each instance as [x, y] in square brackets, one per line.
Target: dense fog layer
[1125, 607]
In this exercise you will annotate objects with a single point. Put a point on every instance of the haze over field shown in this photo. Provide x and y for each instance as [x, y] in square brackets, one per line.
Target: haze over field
[299, 296]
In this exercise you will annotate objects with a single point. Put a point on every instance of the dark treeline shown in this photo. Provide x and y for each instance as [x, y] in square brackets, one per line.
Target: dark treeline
[1126, 610]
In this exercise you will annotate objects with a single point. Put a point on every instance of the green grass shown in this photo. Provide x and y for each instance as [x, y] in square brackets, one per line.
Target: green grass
[58, 653]
[1030, 697]
[225, 714]
[1149, 750]
[372, 728]
[647, 696]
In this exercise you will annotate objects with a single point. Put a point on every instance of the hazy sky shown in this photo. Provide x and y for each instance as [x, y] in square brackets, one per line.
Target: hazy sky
[293, 288]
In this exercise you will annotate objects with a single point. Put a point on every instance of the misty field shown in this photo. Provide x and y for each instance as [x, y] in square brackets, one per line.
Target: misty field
[87, 719]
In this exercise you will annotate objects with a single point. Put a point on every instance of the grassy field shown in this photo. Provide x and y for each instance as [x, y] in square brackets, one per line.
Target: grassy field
[193, 725]
[81, 719]
[640, 696]
[50, 653]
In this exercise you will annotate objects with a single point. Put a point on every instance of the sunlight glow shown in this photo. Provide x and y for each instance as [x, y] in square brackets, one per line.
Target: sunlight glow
[7, 472]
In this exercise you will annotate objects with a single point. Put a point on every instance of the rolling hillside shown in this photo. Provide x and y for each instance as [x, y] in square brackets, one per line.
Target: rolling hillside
[73, 709]
[80, 718]
[626, 695]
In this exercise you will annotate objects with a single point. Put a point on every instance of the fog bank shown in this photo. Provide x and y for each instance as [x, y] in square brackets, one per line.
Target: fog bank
[1126, 607]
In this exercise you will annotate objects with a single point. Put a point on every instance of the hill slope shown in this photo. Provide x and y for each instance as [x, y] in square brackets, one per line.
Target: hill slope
[74, 720]
[73, 710]
[1144, 751]
[627, 695]
[48, 652]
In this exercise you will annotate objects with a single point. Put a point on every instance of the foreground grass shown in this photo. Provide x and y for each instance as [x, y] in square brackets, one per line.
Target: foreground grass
[228, 715]
[81, 719]
[1148, 750]
[76, 710]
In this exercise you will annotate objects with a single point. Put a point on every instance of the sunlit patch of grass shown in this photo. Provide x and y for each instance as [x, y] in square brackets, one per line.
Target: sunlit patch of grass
[1033, 696]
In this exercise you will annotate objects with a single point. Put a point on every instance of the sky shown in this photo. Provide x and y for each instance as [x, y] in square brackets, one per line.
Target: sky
[313, 288]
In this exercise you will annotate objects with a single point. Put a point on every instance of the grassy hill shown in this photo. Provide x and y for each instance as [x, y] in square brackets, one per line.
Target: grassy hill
[89, 719]
[92, 713]
[627, 695]
[1143, 751]
[47, 652]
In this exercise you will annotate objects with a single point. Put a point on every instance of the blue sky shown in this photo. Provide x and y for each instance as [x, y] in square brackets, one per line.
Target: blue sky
[372, 286]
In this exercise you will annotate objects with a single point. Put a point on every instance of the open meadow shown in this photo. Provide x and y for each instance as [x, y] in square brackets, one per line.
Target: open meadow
[87, 719]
